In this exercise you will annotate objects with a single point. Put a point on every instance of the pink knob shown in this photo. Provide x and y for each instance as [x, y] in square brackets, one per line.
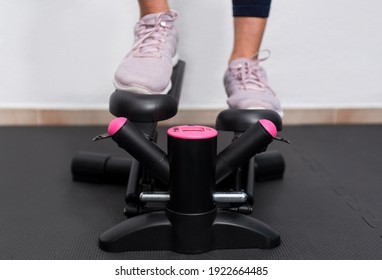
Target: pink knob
[116, 125]
[269, 126]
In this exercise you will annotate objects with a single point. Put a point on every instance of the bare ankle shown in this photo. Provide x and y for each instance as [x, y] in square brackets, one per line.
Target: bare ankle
[153, 7]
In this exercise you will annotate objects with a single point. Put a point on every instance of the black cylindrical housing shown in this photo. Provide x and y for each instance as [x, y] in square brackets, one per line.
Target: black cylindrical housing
[192, 233]
[269, 166]
[191, 209]
[129, 138]
[192, 164]
[252, 141]
[100, 168]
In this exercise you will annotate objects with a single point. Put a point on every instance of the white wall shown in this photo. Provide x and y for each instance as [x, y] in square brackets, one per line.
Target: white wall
[63, 53]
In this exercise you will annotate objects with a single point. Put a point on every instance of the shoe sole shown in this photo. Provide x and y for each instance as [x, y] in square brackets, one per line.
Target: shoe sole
[143, 90]
[281, 113]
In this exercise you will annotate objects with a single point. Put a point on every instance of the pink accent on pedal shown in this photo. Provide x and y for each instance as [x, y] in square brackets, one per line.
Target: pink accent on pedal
[269, 126]
[192, 132]
[115, 125]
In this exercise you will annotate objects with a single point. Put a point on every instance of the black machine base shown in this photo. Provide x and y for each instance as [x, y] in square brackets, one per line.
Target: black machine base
[216, 230]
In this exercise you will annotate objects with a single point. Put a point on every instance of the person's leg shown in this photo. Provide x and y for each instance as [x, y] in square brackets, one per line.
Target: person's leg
[248, 34]
[147, 68]
[245, 80]
[249, 19]
[153, 6]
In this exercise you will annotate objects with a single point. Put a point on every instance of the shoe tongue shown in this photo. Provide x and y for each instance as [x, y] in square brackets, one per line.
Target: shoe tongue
[248, 71]
[151, 19]
[149, 45]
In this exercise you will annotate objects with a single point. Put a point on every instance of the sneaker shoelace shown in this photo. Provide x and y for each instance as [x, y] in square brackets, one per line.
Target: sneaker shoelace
[249, 74]
[152, 34]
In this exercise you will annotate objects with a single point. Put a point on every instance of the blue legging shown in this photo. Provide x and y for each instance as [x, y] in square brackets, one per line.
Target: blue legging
[251, 8]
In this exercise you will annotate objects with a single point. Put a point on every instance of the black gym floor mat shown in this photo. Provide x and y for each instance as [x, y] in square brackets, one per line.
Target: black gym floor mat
[328, 206]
